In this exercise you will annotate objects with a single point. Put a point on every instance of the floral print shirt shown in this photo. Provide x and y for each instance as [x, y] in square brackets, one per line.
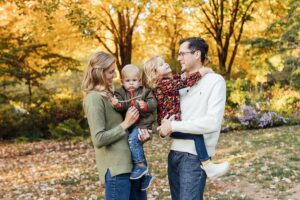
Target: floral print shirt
[167, 94]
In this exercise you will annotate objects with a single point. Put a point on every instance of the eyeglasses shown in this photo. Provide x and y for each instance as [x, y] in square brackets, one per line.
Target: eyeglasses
[181, 54]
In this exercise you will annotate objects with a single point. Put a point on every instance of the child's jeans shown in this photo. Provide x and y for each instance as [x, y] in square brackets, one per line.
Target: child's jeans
[136, 147]
[199, 143]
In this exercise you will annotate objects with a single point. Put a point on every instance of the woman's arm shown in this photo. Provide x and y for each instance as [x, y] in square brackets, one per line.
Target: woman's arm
[95, 111]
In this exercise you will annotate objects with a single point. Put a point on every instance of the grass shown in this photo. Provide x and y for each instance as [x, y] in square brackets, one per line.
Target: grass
[265, 164]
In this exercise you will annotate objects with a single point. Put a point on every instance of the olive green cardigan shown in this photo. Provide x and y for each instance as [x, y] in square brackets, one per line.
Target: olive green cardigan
[108, 137]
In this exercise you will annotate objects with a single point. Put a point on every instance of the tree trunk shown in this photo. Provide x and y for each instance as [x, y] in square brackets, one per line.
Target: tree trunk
[29, 91]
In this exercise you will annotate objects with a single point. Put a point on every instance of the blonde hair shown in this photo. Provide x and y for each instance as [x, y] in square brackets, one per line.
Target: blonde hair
[130, 69]
[150, 75]
[94, 74]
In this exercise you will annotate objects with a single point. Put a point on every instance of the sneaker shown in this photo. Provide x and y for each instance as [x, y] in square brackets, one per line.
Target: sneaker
[146, 182]
[138, 172]
[214, 171]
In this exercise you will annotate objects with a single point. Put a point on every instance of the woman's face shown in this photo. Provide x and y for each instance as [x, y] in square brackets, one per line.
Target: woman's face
[110, 74]
[163, 68]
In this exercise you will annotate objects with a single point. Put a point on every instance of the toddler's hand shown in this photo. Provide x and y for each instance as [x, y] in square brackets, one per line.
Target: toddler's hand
[114, 100]
[205, 70]
[142, 104]
[183, 76]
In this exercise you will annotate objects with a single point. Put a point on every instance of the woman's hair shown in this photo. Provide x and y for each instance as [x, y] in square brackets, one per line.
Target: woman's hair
[94, 78]
[150, 75]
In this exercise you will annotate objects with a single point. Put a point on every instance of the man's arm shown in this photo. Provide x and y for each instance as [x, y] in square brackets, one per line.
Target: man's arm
[212, 121]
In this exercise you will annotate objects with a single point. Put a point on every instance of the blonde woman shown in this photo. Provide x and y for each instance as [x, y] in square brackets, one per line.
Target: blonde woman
[109, 130]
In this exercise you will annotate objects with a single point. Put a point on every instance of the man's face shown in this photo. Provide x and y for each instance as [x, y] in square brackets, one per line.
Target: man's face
[131, 81]
[186, 57]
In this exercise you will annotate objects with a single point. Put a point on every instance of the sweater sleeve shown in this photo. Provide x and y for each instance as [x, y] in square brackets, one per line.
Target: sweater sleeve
[212, 120]
[121, 106]
[151, 101]
[95, 111]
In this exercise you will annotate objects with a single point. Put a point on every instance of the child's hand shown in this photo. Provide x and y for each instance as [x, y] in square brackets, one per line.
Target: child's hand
[205, 70]
[183, 76]
[142, 104]
[114, 101]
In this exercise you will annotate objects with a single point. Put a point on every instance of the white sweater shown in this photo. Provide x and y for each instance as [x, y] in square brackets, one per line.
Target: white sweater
[202, 109]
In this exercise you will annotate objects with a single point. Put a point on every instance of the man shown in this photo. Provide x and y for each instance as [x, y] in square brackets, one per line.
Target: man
[202, 108]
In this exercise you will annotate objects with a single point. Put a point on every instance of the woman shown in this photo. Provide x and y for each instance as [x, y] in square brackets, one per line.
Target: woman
[109, 130]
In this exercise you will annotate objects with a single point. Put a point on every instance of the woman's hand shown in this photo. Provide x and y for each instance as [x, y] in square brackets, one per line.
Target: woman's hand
[144, 135]
[132, 115]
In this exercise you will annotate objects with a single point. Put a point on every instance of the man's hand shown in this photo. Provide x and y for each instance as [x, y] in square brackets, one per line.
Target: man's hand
[144, 135]
[165, 129]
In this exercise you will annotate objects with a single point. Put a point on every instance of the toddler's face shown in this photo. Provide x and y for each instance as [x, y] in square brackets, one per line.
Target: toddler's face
[131, 82]
[163, 69]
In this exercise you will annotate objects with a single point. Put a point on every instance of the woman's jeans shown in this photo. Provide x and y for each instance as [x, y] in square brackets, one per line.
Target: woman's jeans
[120, 187]
[199, 143]
[186, 178]
[136, 147]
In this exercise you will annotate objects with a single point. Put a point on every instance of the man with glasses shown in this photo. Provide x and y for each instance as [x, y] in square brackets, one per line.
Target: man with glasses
[202, 109]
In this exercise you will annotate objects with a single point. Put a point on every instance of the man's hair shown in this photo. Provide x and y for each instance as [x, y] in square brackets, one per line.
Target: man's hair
[197, 44]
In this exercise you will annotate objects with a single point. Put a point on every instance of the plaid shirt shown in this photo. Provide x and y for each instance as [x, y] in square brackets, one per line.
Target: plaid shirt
[167, 94]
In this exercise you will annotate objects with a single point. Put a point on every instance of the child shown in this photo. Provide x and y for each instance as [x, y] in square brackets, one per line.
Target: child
[133, 94]
[158, 76]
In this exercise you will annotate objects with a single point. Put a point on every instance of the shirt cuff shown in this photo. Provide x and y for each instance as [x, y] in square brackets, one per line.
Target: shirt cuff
[175, 126]
[145, 109]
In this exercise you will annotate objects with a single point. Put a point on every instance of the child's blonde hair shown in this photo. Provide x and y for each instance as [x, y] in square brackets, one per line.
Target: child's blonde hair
[130, 69]
[150, 75]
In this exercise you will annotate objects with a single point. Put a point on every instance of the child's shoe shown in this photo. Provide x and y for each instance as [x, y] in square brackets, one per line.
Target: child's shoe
[146, 182]
[138, 172]
[213, 170]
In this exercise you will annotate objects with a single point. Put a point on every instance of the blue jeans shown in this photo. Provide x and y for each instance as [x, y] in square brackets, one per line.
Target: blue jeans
[136, 146]
[186, 178]
[199, 143]
[120, 187]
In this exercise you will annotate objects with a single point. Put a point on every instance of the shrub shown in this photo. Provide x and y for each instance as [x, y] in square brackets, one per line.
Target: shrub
[68, 129]
[284, 100]
[250, 118]
[15, 124]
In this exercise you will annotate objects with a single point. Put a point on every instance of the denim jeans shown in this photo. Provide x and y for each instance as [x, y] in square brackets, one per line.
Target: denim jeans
[199, 143]
[136, 146]
[186, 178]
[120, 187]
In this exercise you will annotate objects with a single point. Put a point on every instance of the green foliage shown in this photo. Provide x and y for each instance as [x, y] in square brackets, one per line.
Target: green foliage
[46, 111]
[68, 129]
[15, 124]
[238, 92]
[284, 100]
[281, 40]
[295, 79]
[62, 109]
[29, 62]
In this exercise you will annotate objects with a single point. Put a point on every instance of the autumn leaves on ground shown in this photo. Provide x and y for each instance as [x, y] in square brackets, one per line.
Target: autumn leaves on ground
[265, 165]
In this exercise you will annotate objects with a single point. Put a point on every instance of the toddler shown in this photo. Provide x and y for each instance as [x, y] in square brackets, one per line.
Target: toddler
[133, 94]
